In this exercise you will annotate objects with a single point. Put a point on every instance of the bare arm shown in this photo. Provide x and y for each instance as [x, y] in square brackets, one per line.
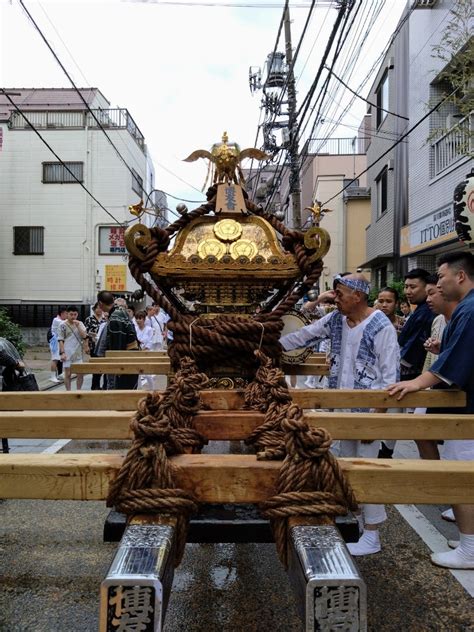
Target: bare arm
[423, 381]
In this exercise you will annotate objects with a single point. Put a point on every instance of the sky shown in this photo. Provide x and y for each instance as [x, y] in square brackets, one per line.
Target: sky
[182, 71]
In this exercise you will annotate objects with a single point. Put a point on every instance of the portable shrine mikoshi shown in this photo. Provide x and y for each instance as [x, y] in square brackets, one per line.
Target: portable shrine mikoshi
[231, 275]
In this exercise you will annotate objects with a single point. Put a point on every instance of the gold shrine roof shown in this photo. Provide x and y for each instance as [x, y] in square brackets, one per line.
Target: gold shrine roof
[225, 245]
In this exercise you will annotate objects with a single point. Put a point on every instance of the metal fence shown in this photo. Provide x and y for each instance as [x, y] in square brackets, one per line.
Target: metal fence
[28, 315]
[117, 118]
[336, 146]
[455, 144]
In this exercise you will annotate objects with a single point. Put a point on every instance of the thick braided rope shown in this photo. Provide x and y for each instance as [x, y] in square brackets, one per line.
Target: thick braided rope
[310, 482]
[162, 427]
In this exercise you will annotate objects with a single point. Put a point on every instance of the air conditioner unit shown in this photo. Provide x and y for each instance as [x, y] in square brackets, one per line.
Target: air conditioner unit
[391, 164]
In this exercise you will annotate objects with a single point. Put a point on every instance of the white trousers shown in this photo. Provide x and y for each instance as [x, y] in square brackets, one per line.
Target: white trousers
[372, 514]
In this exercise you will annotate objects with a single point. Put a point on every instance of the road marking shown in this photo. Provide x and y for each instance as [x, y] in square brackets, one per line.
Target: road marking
[57, 445]
[435, 541]
[423, 527]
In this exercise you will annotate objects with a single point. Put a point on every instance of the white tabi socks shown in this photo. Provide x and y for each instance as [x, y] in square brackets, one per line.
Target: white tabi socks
[368, 543]
[462, 557]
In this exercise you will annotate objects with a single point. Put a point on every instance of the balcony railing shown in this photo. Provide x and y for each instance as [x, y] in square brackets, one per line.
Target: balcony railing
[457, 143]
[336, 146]
[118, 118]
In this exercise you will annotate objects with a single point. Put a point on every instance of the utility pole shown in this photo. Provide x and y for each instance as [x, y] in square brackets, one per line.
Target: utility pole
[295, 189]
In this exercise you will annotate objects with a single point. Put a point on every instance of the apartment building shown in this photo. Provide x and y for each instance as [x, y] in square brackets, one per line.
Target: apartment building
[441, 148]
[412, 185]
[60, 244]
[330, 166]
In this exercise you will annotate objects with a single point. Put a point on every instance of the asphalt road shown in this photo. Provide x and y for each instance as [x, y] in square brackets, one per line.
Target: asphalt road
[53, 559]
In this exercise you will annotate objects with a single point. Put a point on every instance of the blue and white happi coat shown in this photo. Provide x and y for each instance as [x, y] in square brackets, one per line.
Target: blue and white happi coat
[363, 357]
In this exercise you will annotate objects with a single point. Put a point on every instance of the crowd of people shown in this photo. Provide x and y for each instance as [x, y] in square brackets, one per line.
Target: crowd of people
[428, 346]
[112, 326]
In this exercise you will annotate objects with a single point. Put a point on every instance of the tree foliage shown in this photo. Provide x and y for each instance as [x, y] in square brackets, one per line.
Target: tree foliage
[456, 52]
[12, 332]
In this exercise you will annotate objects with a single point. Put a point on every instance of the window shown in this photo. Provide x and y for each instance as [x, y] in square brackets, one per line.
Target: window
[137, 183]
[382, 99]
[57, 173]
[381, 276]
[28, 240]
[381, 183]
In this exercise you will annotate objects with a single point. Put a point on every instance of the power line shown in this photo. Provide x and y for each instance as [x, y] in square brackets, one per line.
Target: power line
[280, 167]
[407, 133]
[327, 50]
[238, 5]
[182, 199]
[99, 124]
[383, 134]
[178, 178]
[62, 41]
[28, 122]
[339, 45]
[366, 100]
[307, 100]
[375, 65]
[352, 55]
[362, 84]
[354, 58]
[87, 105]
[280, 28]
[88, 83]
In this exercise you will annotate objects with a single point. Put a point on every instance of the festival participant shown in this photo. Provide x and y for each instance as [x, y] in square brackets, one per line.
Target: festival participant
[131, 313]
[72, 336]
[413, 335]
[443, 309]
[119, 335]
[417, 328]
[56, 366]
[387, 302]
[92, 324]
[405, 309]
[365, 355]
[454, 366]
[157, 319]
[145, 338]
[144, 331]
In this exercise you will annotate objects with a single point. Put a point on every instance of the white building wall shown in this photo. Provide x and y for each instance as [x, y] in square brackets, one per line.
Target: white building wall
[26, 201]
[71, 268]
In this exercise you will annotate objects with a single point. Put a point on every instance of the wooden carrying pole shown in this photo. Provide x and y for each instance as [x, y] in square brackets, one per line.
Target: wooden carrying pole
[235, 425]
[162, 367]
[234, 478]
[227, 400]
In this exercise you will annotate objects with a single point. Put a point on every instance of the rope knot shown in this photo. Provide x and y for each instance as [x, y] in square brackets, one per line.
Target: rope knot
[310, 482]
[162, 427]
[302, 441]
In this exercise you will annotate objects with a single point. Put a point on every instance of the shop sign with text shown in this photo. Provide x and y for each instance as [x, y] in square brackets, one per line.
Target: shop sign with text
[111, 240]
[116, 278]
[428, 231]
